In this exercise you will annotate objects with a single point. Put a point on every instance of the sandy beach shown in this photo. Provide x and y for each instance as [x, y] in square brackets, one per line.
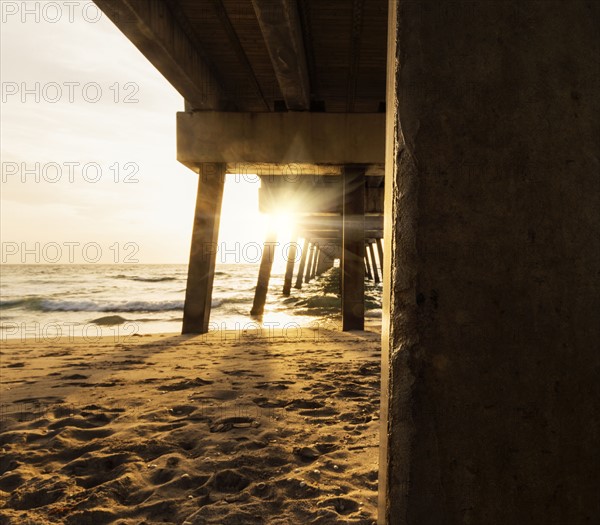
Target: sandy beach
[228, 428]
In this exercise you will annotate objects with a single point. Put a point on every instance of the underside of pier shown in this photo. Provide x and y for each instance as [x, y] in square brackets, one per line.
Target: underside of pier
[480, 119]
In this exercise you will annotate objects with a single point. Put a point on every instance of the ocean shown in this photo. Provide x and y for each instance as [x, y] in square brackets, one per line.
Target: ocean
[45, 302]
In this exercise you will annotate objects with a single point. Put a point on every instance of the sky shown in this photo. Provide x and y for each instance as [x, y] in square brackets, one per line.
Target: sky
[88, 148]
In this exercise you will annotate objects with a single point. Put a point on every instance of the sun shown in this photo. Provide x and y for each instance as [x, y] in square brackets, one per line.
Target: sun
[283, 225]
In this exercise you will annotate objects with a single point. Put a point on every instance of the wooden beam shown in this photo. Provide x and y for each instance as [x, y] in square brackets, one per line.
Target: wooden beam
[203, 252]
[154, 29]
[280, 25]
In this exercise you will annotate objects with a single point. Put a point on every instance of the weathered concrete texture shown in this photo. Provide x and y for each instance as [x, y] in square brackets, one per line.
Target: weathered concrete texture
[203, 251]
[491, 337]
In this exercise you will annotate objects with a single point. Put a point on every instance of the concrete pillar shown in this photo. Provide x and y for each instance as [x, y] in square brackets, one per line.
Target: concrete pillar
[325, 262]
[264, 274]
[353, 249]
[311, 258]
[302, 265]
[374, 263]
[289, 270]
[492, 240]
[380, 253]
[203, 251]
[313, 271]
[368, 272]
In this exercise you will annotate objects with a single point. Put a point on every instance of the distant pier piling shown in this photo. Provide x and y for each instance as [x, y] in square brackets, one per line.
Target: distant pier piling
[289, 269]
[353, 249]
[264, 274]
[374, 263]
[302, 265]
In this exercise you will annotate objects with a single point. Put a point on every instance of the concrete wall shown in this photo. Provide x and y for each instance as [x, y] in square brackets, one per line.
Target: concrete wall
[491, 346]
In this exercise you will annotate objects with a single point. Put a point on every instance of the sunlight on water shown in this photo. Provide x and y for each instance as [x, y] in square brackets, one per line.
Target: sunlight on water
[49, 301]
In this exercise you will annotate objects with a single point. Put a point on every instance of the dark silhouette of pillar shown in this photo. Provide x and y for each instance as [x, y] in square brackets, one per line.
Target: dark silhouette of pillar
[380, 253]
[311, 258]
[324, 262]
[374, 263]
[298, 284]
[368, 266]
[203, 251]
[289, 270]
[264, 274]
[353, 249]
[316, 258]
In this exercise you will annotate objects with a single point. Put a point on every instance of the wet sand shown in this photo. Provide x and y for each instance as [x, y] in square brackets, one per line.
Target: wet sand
[230, 428]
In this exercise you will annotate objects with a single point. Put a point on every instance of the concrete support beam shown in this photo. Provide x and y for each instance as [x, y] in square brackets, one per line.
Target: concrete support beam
[353, 251]
[311, 194]
[303, 256]
[289, 269]
[280, 25]
[154, 29]
[373, 263]
[264, 274]
[492, 242]
[203, 252]
[280, 138]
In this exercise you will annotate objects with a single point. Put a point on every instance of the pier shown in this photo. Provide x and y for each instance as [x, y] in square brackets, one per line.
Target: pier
[457, 142]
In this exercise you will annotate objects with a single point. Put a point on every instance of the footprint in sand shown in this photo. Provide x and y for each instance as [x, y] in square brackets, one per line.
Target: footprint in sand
[185, 384]
[274, 385]
[93, 471]
[229, 481]
[298, 404]
[264, 402]
[320, 412]
[36, 493]
[10, 481]
[74, 377]
[341, 505]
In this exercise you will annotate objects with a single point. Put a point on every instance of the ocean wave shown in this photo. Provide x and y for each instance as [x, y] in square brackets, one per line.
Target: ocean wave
[123, 306]
[17, 303]
[146, 279]
[39, 304]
